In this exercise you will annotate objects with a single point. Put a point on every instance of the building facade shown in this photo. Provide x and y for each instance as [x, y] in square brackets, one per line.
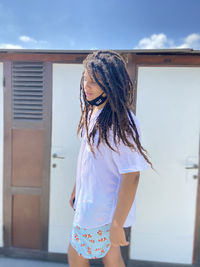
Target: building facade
[39, 114]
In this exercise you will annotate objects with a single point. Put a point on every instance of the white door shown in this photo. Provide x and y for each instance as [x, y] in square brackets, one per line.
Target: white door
[1, 153]
[65, 144]
[169, 112]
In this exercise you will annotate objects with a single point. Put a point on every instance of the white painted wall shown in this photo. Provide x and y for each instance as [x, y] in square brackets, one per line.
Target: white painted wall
[65, 118]
[1, 154]
[168, 110]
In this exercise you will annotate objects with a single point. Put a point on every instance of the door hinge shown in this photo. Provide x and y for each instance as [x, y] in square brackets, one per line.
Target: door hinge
[4, 81]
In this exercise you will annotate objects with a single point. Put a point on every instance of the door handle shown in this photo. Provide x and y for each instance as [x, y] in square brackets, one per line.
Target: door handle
[57, 157]
[194, 166]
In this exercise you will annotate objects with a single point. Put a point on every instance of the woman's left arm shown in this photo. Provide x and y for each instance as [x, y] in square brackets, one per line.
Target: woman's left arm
[126, 196]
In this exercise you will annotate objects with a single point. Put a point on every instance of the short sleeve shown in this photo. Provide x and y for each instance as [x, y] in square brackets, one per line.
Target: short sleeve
[129, 160]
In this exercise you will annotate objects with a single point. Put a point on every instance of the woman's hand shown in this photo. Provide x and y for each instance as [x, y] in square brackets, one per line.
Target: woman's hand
[117, 236]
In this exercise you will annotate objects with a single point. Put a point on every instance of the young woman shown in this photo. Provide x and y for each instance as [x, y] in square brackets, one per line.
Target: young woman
[109, 163]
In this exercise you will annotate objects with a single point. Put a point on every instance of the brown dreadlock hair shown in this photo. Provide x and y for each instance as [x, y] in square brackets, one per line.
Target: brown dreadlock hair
[108, 69]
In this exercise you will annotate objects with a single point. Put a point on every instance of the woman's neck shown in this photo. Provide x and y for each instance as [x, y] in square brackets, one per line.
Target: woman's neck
[96, 108]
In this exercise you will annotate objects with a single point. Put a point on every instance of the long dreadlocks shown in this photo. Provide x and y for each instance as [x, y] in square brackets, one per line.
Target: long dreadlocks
[108, 69]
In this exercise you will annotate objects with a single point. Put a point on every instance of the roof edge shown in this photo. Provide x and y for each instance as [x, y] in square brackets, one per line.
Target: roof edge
[132, 51]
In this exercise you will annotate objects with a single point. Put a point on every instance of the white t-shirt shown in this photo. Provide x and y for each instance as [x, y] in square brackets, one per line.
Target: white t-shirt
[98, 180]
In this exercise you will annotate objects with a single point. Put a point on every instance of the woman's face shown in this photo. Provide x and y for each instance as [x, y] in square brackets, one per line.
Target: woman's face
[91, 88]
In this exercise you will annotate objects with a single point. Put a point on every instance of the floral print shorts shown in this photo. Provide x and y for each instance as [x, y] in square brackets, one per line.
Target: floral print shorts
[91, 243]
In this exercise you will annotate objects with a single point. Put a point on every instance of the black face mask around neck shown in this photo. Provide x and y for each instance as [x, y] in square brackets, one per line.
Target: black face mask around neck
[98, 100]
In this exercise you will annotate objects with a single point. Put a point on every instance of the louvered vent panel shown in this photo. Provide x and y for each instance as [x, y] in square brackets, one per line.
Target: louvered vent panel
[27, 90]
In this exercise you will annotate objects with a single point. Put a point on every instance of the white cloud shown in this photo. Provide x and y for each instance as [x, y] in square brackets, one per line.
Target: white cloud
[10, 46]
[191, 41]
[27, 39]
[160, 41]
[33, 43]
[155, 41]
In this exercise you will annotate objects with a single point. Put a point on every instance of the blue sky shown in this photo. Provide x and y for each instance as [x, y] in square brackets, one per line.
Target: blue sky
[105, 24]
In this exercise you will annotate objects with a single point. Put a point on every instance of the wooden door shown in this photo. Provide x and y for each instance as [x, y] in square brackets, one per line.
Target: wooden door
[27, 104]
